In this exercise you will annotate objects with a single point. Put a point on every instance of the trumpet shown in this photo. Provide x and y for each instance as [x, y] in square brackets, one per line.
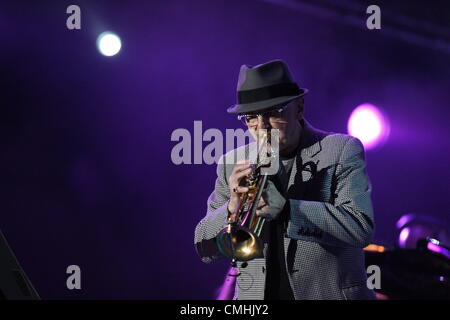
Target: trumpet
[241, 240]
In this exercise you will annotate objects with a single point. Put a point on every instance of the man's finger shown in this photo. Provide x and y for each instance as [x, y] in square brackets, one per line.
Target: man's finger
[241, 167]
[240, 189]
[242, 173]
[262, 205]
[264, 215]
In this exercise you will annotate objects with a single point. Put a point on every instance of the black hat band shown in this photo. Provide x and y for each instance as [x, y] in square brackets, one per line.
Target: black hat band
[269, 92]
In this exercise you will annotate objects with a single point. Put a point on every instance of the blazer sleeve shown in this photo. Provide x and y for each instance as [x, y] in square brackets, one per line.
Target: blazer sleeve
[348, 221]
[215, 220]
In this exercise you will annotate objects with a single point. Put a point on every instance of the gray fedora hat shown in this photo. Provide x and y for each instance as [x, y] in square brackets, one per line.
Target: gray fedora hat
[264, 86]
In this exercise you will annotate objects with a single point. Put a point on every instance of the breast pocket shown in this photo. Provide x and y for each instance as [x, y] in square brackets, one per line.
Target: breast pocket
[318, 185]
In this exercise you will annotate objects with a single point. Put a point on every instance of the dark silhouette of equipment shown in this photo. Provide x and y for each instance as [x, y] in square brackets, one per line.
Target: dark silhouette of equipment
[14, 284]
[422, 273]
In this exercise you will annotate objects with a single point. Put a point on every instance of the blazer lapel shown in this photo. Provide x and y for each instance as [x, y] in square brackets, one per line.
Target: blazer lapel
[310, 146]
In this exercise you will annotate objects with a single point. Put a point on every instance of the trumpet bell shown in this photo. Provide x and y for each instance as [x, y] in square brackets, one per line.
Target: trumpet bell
[240, 244]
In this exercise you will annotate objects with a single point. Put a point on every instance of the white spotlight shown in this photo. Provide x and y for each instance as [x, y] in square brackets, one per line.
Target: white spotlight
[108, 43]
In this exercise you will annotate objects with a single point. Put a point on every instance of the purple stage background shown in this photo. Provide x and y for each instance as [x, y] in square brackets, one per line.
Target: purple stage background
[87, 176]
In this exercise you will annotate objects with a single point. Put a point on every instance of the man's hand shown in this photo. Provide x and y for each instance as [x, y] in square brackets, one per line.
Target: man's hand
[271, 203]
[240, 170]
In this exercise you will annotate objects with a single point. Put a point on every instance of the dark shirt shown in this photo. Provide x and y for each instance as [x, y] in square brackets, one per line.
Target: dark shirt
[277, 281]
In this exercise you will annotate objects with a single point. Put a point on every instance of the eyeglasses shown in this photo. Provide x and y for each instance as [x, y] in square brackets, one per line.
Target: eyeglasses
[251, 119]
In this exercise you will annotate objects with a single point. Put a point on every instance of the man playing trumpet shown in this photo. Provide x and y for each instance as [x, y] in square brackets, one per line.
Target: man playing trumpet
[317, 205]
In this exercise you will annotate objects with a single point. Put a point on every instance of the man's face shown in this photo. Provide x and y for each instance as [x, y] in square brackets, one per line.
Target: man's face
[287, 122]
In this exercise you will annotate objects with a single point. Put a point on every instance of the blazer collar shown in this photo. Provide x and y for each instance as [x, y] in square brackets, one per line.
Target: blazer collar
[310, 146]
[309, 141]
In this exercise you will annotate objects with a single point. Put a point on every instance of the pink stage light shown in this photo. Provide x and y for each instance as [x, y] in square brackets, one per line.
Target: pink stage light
[404, 234]
[368, 124]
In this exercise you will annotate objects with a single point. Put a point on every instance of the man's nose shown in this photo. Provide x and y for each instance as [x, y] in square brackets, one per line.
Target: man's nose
[263, 123]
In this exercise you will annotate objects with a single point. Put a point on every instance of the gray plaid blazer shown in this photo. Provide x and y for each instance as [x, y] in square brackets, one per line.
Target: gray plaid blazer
[330, 221]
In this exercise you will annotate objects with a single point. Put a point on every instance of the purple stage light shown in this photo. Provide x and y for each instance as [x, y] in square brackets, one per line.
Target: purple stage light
[368, 124]
[434, 247]
[404, 234]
